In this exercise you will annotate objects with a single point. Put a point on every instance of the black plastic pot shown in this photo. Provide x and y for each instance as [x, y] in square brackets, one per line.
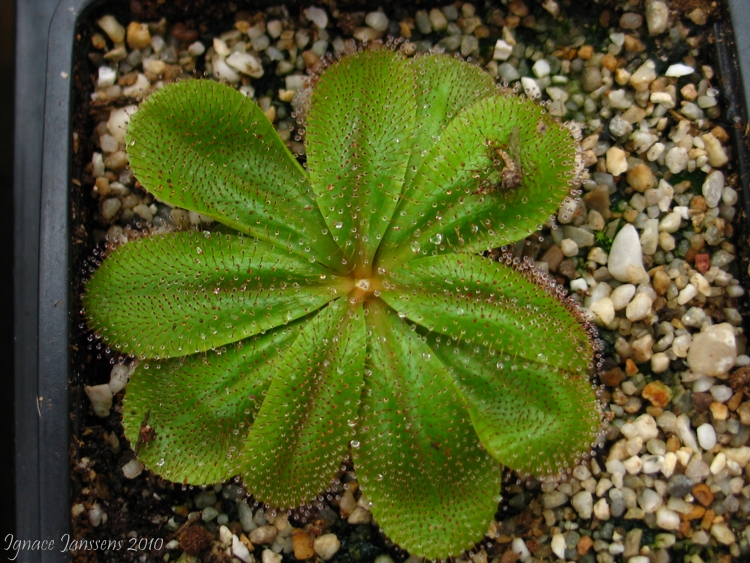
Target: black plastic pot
[45, 302]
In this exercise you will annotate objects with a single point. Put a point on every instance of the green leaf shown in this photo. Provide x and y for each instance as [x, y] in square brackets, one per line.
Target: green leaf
[302, 431]
[444, 86]
[202, 407]
[433, 488]
[519, 356]
[171, 295]
[205, 147]
[455, 203]
[358, 144]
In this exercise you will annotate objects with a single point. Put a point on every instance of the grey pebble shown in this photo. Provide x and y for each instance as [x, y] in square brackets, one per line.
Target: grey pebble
[679, 485]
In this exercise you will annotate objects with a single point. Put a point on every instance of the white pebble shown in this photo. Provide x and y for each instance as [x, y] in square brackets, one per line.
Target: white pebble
[531, 88]
[101, 399]
[676, 159]
[667, 519]
[317, 16]
[622, 295]
[657, 20]
[652, 463]
[679, 69]
[132, 469]
[326, 546]
[633, 465]
[569, 247]
[270, 557]
[685, 432]
[706, 436]
[377, 21]
[112, 28]
[649, 500]
[713, 351]
[604, 309]
[639, 308]
[713, 188]
[723, 534]
[617, 161]
[670, 223]
[107, 77]
[118, 378]
[601, 509]
[626, 257]
[686, 294]
[118, 122]
[583, 503]
[558, 545]
[541, 68]
[502, 51]
[196, 49]
[240, 551]
[519, 548]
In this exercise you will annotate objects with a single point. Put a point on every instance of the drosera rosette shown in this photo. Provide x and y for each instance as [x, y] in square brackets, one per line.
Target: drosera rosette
[342, 311]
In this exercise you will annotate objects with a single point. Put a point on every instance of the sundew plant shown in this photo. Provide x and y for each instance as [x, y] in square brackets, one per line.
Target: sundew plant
[342, 309]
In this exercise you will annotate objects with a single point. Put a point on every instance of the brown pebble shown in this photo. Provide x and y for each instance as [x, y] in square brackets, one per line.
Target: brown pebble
[604, 18]
[641, 178]
[630, 368]
[685, 529]
[302, 543]
[673, 444]
[584, 544]
[612, 377]
[696, 511]
[701, 401]
[661, 281]
[703, 494]
[720, 133]
[138, 35]
[658, 394]
[598, 200]
[633, 44]
[698, 203]
[734, 402]
[585, 52]
[553, 256]
[609, 61]
[567, 268]
[739, 380]
[518, 8]
[744, 413]
[127, 79]
[708, 519]
[509, 556]
[182, 33]
[702, 263]
[719, 411]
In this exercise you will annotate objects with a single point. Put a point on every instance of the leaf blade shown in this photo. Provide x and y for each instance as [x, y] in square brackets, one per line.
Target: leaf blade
[434, 490]
[181, 398]
[301, 434]
[201, 145]
[541, 354]
[207, 291]
[361, 108]
[454, 202]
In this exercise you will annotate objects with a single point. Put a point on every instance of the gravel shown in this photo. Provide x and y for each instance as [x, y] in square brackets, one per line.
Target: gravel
[648, 251]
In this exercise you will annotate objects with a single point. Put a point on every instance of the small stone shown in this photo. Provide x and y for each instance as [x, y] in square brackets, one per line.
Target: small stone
[658, 394]
[263, 534]
[713, 351]
[246, 64]
[678, 70]
[697, 470]
[703, 494]
[645, 427]
[641, 178]
[360, 516]
[723, 534]
[649, 500]
[622, 295]
[240, 550]
[591, 78]
[269, 556]
[569, 248]
[132, 469]
[706, 436]
[101, 399]
[657, 17]
[639, 308]
[204, 499]
[601, 509]
[719, 411]
[438, 20]
[138, 36]
[531, 88]
[626, 257]
[617, 162]
[326, 546]
[713, 188]
[633, 465]
[652, 464]
[743, 411]
[583, 503]
[502, 50]
[676, 159]
[317, 16]
[604, 309]
[643, 76]
[679, 485]
[377, 21]
[553, 499]
[717, 156]
[667, 519]
[558, 545]
[541, 68]
[302, 544]
[631, 20]
[112, 28]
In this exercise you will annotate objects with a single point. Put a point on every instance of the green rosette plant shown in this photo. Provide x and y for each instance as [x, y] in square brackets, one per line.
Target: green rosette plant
[342, 310]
